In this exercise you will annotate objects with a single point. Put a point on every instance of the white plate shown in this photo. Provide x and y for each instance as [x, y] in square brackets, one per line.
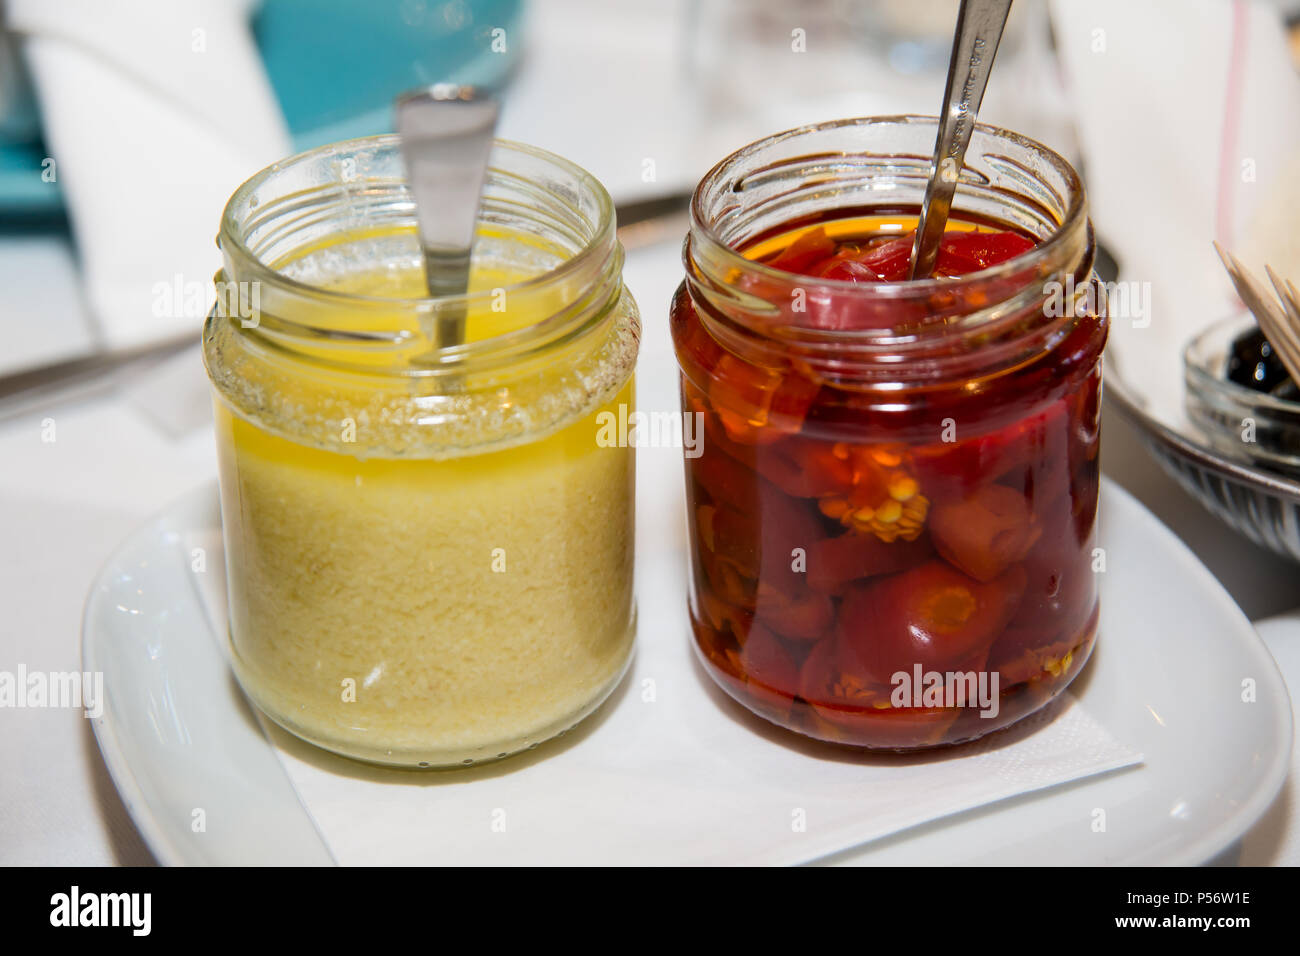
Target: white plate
[1166, 678]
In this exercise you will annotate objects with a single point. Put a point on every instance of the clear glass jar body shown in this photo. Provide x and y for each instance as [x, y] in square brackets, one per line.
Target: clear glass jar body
[429, 551]
[893, 515]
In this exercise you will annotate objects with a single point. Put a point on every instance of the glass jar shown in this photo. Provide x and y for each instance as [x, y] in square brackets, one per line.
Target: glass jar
[429, 549]
[893, 515]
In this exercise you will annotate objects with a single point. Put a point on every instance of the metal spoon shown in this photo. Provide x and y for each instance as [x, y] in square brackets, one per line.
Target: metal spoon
[446, 134]
[979, 30]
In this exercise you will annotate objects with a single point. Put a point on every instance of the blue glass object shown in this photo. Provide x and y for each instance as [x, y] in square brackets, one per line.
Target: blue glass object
[335, 66]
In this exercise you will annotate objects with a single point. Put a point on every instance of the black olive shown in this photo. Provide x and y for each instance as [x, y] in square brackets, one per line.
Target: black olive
[1254, 364]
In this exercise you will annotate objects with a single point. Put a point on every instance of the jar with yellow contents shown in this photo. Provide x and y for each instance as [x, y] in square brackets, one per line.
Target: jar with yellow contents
[429, 549]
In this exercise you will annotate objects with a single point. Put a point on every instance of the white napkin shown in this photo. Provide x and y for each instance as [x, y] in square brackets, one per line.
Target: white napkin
[1189, 122]
[670, 771]
[154, 111]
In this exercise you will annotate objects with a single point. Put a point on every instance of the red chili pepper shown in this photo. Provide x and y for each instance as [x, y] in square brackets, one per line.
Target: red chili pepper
[721, 615]
[731, 537]
[804, 616]
[725, 480]
[887, 261]
[835, 563]
[1060, 595]
[931, 615]
[769, 668]
[1038, 442]
[764, 541]
[726, 582]
[806, 467]
[809, 249]
[843, 708]
[985, 532]
[814, 254]
[715, 436]
[1032, 660]
[963, 252]
[758, 406]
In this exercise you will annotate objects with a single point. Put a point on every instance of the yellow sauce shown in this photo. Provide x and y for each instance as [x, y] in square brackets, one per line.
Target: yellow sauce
[424, 609]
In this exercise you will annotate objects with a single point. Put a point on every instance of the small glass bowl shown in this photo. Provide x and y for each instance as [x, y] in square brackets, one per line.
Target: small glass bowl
[1240, 422]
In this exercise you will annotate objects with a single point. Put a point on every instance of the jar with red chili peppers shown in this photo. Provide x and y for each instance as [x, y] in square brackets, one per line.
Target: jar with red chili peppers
[893, 513]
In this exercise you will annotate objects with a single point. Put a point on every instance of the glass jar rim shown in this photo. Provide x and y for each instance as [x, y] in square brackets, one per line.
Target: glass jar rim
[252, 266]
[566, 337]
[703, 229]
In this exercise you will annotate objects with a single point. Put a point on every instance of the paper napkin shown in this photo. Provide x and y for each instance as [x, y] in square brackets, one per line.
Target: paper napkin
[154, 112]
[671, 771]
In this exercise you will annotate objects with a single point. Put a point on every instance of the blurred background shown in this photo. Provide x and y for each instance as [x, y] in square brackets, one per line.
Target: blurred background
[125, 125]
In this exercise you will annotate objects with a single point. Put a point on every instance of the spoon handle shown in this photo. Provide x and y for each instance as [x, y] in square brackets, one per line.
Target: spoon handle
[979, 29]
[446, 135]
